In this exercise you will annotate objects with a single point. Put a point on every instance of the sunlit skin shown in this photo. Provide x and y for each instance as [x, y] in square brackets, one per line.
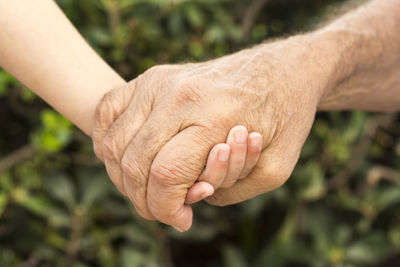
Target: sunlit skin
[274, 89]
[226, 163]
[59, 69]
[161, 135]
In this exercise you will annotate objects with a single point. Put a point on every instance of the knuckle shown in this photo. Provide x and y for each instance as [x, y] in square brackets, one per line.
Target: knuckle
[104, 105]
[187, 92]
[222, 122]
[113, 103]
[103, 120]
[157, 70]
[133, 172]
[165, 174]
[110, 149]
[228, 184]
[107, 110]
[97, 147]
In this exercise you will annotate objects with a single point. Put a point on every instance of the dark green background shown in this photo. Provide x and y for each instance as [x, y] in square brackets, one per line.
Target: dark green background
[58, 208]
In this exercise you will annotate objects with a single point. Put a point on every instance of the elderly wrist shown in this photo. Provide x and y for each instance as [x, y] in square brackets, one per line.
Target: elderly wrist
[332, 57]
[307, 60]
[337, 51]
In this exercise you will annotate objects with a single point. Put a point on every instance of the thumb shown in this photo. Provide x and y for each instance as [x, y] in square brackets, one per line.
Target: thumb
[199, 191]
[174, 170]
[110, 107]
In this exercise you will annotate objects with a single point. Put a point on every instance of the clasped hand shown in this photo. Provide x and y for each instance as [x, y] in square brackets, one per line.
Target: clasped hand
[155, 133]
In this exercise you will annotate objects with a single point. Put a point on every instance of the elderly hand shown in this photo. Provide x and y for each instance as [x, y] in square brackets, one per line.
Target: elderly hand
[158, 130]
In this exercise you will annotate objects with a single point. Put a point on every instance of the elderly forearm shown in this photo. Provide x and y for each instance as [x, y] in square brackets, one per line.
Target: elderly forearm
[41, 48]
[365, 46]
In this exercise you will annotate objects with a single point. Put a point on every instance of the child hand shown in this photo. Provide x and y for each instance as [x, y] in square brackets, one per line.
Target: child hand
[226, 163]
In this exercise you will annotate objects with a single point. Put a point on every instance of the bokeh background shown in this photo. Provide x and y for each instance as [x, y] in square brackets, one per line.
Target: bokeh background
[58, 208]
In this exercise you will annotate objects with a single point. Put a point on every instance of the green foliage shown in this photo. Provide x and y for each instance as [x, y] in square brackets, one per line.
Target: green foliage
[55, 133]
[5, 81]
[58, 207]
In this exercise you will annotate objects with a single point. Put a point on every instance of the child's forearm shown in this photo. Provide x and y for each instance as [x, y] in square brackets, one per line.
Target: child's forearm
[41, 48]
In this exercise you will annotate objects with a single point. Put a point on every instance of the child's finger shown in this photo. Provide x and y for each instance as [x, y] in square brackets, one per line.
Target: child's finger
[214, 172]
[254, 147]
[237, 140]
[199, 191]
[217, 165]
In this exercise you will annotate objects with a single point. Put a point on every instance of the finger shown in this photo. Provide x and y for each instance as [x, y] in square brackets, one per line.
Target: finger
[139, 155]
[199, 191]
[254, 146]
[274, 167]
[217, 165]
[118, 137]
[213, 174]
[237, 140]
[259, 181]
[110, 107]
[174, 170]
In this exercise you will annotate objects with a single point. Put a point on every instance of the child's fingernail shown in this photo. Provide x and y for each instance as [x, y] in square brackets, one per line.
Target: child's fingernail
[223, 155]
[256, 141]
[239, 135]
[207, 193]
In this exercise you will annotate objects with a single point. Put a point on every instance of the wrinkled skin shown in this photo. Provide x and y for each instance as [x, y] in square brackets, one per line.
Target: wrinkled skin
[155, 133]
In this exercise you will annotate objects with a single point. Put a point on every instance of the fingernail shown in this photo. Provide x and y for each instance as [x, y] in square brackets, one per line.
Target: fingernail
[207, 194]
[223, 155]
[239, 135]
[256, 141]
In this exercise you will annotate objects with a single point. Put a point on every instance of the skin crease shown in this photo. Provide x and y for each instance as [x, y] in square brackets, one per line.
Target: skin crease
[227, 163]
[59, 68]
[275, 89]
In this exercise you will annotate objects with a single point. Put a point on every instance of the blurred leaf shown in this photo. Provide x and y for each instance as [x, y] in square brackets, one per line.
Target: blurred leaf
[94, 187]
[27, 95]
[106, 256]
[5, 81]
[394, 235]
[259, 32]
[6, 182]
[61, 188]
[130, 257]
[368, 250]
[304, 223]
[388, 197]
[99, 36]
[55, 132]
[355, 126]
[253, 207]
[37, 204]
[233, 257]
[196, 49]
[3, 202]
[175, 23]
[194, 15]
[55, 239]
[311, 181]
